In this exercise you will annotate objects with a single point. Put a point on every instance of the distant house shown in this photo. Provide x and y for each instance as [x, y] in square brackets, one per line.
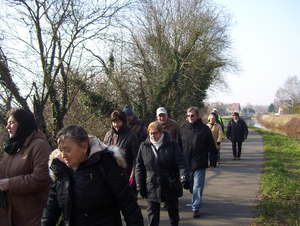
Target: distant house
[235, 107]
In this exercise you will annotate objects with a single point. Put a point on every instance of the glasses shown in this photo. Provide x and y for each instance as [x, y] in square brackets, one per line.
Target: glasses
[154, 133]
[190, 116]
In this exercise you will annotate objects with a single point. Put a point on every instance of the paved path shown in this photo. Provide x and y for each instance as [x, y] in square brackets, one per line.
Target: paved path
[230, 190]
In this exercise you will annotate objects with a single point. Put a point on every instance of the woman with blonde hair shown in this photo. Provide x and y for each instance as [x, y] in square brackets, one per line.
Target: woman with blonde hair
[161, 171]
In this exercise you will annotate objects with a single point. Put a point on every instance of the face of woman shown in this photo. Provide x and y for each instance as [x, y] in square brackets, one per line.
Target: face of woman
[154, 134]
[117, 124]
[12, 126]
[72, 153]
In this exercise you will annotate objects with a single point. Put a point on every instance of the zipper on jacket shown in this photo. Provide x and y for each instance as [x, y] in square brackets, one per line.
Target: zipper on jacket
[91, 177]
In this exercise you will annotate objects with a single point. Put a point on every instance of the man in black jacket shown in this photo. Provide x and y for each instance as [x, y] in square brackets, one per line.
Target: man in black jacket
[237, 132]
[195, 140]
[135, 124]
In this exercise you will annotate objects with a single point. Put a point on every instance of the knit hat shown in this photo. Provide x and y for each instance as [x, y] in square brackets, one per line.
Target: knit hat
[128, 111]
[161, 110]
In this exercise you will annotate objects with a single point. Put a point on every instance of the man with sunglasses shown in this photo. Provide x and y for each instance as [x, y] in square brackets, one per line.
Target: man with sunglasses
[196, 141]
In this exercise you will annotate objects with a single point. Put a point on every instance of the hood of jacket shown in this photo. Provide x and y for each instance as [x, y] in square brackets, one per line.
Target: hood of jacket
[95, 146]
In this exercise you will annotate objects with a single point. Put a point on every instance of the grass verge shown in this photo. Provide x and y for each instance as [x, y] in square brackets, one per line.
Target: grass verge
[279, 199]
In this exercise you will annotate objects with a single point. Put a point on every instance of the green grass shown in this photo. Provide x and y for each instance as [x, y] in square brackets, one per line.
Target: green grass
[279, 199]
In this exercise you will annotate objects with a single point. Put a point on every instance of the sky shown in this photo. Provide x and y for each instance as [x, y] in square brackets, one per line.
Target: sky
[266, 42]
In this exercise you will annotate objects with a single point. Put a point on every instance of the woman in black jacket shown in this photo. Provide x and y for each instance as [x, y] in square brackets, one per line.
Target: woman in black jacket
[122, 136]
[161, 170]
[237, 132]
[89, 185]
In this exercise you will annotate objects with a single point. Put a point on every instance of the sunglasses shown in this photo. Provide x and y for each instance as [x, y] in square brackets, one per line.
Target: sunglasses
[190, 116]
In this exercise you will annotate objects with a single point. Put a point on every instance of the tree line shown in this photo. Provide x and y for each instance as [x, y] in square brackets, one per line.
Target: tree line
[75, 61]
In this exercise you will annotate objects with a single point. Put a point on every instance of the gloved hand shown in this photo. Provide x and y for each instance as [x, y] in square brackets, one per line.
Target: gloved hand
[218, 143]
[143, 193]
[186, 185]
[131, 182]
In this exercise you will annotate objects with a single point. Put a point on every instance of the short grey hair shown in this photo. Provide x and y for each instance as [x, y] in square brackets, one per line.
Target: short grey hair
[193, 109]
[75, 132]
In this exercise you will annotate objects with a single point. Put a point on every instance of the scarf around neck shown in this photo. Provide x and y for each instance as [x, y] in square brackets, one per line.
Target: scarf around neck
[158, 143]
[26, 126]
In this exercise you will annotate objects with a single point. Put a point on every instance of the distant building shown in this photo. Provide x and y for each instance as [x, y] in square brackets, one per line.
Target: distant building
[235, 107]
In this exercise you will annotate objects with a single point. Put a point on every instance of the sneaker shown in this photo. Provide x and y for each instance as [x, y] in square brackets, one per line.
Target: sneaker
[233, 158]
[196, 214]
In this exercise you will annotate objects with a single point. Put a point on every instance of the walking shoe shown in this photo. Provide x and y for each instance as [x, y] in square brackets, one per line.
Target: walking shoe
[196, 214]
[233, 158]
[238, 158]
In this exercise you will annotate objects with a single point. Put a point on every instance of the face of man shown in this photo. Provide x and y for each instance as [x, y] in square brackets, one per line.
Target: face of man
[191, 116]
[162, 118]
[215, 111]
[129, 118]
[235, 117]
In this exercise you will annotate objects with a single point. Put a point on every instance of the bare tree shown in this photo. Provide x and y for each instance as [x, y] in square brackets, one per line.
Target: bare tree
[45, 41]
[288, 96]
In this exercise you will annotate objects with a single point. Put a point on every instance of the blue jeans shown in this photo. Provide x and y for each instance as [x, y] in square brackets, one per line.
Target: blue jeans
[198, 181]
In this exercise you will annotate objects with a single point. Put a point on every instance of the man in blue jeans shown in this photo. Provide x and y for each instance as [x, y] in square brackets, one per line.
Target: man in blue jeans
[196, 141]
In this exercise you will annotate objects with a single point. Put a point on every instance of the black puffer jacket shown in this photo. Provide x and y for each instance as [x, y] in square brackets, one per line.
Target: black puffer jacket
[237, 131]
[93, 194]
[151, 171]
[127, 140]
[195, 141]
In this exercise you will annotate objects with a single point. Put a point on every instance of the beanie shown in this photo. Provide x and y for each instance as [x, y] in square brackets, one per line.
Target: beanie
[128, 111]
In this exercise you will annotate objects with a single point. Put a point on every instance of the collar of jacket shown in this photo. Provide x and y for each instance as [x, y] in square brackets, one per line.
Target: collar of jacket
[135, 120]
[122, 130]
[194, 125]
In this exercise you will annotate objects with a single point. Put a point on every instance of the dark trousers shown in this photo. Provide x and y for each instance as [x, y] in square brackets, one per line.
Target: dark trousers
[153, 211]
[239, 148]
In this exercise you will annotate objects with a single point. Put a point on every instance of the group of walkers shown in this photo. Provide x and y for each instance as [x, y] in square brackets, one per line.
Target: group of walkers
[87, 182]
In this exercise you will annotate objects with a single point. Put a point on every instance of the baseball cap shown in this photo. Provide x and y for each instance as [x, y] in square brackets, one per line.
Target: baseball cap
[161, 110]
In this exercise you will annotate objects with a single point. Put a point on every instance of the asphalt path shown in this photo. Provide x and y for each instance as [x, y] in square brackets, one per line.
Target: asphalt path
[230, 191]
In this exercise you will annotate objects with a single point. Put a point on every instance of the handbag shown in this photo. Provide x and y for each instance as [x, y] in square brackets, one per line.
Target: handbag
[173, 180]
